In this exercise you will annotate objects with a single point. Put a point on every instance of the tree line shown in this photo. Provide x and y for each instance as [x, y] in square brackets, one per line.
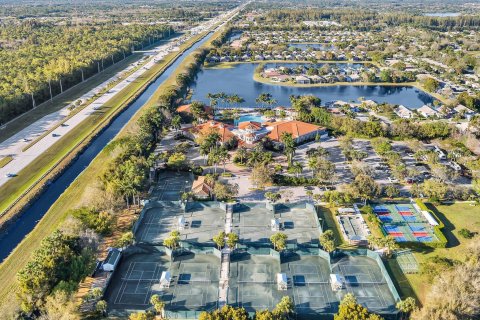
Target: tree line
[361, 20]
[41, 59]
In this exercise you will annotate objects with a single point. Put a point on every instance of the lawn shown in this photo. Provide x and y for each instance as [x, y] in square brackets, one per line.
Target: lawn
[455, 217]
[75, 193]
[330, 223]
[5, 160]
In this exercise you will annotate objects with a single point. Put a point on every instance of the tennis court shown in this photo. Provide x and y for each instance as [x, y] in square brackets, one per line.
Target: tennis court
[193, 286]
[253, 223]
[407, 261]
[404, 223]
[171, 185]
[364, 278]
[299, 224]
[253, 282]
[199, 224]
[310, 285]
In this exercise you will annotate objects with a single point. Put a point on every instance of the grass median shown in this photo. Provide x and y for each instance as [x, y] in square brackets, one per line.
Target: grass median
[72, 196]
[5, 160]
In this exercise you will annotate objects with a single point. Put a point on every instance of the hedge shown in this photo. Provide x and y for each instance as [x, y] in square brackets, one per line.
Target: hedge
[284, 180]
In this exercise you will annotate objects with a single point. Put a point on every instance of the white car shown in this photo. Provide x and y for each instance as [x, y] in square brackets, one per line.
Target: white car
[392, 180]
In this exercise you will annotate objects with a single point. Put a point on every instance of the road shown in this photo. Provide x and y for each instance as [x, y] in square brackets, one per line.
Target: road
[14, 145]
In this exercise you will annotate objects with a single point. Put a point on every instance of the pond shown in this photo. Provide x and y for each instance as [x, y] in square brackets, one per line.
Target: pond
[315, 46]
[239, 80]
[235, 35]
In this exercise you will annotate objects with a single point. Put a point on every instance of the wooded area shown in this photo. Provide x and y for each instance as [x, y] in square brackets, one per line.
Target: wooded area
[41, 60]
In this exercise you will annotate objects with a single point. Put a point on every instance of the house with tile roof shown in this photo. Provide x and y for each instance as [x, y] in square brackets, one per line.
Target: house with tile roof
[186, 110]
[301, 131]
[203, 129]
[201, 189]
[250, 132]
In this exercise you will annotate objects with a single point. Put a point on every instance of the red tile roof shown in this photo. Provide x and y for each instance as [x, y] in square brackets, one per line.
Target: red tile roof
[209, 126]
[296, 128]
[252, 125]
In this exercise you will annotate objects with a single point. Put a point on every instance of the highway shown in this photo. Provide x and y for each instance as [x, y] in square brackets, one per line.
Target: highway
[14, 145]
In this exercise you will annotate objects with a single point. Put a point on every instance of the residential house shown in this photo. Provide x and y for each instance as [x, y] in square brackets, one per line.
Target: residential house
[224, 130]
[467, 113]
[301, 131]
[404, 112]
[201, 189]
[428, 112]
[302, 80]
[187, 111]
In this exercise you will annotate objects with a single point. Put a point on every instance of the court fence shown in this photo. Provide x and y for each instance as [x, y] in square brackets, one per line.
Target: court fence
[375, 256]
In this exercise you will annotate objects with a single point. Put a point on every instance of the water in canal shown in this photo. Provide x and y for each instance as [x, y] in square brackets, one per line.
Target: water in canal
[239, 80]
[15, 232]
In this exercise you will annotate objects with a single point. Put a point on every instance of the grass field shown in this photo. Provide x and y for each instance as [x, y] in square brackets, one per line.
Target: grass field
[5, 160]
[74, 194]
[455, 217]
[331, 223]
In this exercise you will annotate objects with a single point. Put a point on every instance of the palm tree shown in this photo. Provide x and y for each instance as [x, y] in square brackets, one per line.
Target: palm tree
[406, 306]
[241, 154]
[312, 164]
[232, 240]
[297, 168]
[279, 241]
[101, 307]
[214, 159]
[223, 157]
[288, 146]
[176, 120]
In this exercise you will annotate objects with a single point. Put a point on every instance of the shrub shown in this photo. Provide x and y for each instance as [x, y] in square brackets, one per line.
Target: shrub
[100, 222]
[467, 234]
[284, 180]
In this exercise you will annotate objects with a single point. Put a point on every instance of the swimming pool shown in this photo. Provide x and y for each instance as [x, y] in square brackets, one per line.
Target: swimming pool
[249, 117]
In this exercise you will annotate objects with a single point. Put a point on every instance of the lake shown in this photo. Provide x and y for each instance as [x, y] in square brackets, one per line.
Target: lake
[239, 80]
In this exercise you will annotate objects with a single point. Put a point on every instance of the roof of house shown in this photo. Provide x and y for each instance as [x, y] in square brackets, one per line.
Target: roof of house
[296, 128]
[186, 109]
[251, 125]
[426, 110]
[200, 187]
[462, 108]
[209, 126]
